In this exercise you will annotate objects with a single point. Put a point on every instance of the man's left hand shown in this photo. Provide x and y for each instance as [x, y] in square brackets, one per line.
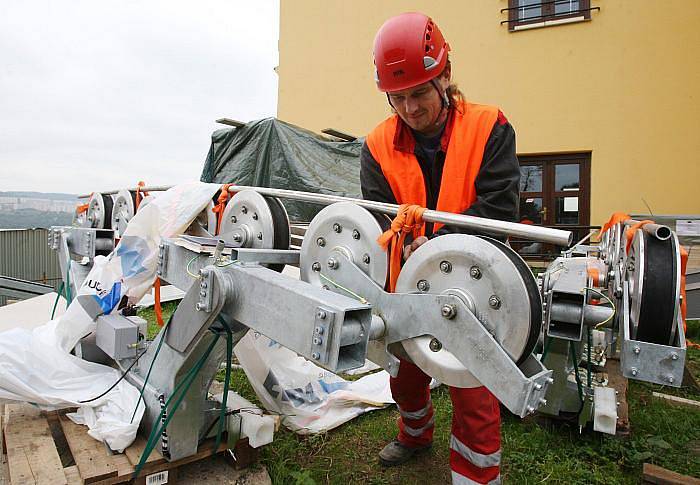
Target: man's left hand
[410, 248]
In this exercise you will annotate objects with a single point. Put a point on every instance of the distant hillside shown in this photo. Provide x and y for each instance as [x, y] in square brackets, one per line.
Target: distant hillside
[40, 195]
[30, 218]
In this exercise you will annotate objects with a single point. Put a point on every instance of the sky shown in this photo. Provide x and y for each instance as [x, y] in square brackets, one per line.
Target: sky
[97, 95]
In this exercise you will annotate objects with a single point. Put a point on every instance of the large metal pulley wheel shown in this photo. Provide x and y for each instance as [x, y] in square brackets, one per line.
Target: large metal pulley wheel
[350, 229]
[123, 210]
[492, 281]
[99, 212]
[251, 220]
[653, 274]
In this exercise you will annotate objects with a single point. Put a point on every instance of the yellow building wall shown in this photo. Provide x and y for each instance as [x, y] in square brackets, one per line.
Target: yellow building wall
[624, 85]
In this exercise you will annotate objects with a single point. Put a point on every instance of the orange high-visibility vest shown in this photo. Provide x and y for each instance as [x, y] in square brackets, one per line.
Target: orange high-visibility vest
[472, 127]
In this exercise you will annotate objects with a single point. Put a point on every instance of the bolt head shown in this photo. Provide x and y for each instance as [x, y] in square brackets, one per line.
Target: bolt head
[637, 350]
[244, 209]
[234, 219]
[445, 267]
[315, 355]
[633, 371]
[543, 401]
[316, 266]
[423, 285]
[319, 330]
[355, 234]
[332, 263]
[365, 258]
[674, 356]
[538, 387]
[255, 216]
[337, 227]
[494, 302]
[475, 272]
[237, 238]
[448, 311]
[321, 242]
[321, 314]
[670, 379]
[198, 307]
[435, 345]
[317, 340]
[260, 236]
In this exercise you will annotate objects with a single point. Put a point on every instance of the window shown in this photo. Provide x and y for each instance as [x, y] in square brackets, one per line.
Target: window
[527, 14]
[554, 192]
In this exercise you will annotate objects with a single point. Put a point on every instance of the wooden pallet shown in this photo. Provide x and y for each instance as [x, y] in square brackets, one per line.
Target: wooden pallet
[33, 457]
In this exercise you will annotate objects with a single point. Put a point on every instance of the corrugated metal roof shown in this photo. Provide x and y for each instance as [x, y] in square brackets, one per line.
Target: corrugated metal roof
[25, 254]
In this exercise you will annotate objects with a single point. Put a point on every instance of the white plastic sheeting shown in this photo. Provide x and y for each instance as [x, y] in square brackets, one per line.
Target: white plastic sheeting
[37, 365]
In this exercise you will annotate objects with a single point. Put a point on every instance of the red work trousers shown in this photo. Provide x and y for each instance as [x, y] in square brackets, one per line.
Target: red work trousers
[475, 444]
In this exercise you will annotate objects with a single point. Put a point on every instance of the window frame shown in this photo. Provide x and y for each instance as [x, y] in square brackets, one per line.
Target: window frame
[548, 17]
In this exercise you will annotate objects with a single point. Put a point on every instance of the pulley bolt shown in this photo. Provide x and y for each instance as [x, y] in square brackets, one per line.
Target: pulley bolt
[355, 234]
[332, 263]
[633, 371]
[475, 272]
[435, 345]
[423, 285]
[494, 302]
[321, 314]
[260, 236]
[234, 219]
[448, 311]
[321, 242]
[244, 209]
[316, 266]
[445, 267]
[337, 227]
[316, 356]
[637, 350]
[255, 216]
[365, 258]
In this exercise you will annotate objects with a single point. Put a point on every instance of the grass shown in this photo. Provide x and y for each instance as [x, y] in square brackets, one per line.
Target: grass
[533, 452]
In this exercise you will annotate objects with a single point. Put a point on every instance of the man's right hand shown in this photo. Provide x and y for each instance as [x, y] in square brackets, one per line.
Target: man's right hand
[410, 248]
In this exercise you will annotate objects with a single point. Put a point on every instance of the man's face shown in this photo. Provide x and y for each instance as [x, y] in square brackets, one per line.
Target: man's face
[419, 106]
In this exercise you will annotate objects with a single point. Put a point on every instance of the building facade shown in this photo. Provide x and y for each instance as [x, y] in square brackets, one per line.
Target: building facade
[602, 94]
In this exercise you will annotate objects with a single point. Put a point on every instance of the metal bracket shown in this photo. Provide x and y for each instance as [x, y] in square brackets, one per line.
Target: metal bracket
[321, 338]
[206, 293]
[162, 258]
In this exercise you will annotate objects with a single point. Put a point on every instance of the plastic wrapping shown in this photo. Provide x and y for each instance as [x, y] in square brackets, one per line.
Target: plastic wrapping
[272, 153]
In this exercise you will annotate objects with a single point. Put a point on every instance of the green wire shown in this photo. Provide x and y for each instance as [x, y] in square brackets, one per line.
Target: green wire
[546, 348]
[227, 379]
[337, 285]
[588, 360]
[150, 367]
[58, 296]
[578, 378]
[157, 429]
[69, 295]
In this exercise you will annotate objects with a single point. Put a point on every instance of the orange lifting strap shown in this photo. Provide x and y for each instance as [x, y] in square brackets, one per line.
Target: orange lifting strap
[156, 305]
[632, 229]
[408, 220]
[140, 194]
[84, 207]
[218, 209]
[614, 219]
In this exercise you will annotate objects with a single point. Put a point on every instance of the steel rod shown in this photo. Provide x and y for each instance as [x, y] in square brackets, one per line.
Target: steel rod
[153, 188]
[479, 224]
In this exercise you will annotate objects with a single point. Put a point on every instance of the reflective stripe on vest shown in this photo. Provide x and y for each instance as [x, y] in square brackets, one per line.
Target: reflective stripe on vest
[472, 127]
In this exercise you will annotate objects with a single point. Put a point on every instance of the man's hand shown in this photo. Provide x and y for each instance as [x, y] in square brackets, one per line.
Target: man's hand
[410, 248]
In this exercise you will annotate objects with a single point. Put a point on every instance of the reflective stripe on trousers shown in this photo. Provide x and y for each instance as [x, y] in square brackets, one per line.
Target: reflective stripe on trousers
[416, 432]
[421, 413]
[458, 479]
[477, 459]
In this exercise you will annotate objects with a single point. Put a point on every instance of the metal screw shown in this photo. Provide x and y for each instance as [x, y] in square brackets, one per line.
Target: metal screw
[244, 209]
[319, 330]
[423, 285]
[543, 401]
[630, 266]
[198, 307]
[670, 379]
[494, 302]
[321, 242]
[332, 263]
[337, 227]
[255, 216]
[538, 387]
[316, 356]
[316, 266]
[674, 356]
[234, 219]
[530, 409]
[202, 293]
[355, 234]
[475, 272]
[637, 350]
[550, 380]
[445, 267]
[321, 314]
[365, 258]
[237, 238]
[203, 285]
[448, 311]
[260, 236]
[435, 345]
[317, 340]
[633, 371]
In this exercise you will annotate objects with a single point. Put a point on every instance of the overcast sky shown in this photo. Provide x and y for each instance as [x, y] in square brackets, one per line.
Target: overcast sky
[99, 94]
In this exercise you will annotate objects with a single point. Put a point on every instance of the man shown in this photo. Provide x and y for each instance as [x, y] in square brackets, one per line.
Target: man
[443, 153]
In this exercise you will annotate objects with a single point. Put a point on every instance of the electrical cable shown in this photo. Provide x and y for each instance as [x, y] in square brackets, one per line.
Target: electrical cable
[579, 386]
[187, 268]
[337, 285]
[58, 296]
[598, 325]
[121, 378]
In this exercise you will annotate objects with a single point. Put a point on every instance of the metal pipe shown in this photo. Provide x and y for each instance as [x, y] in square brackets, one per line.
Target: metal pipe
[479, 224]
[660, 232]
[527, 231]
[153, 188]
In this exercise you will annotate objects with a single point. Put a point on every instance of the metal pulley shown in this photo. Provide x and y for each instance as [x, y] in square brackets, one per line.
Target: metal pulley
[349, 228]
[492, 281]
[204, 224]
[652, 271]
[99, 212]
[123, 210]
[251, 220]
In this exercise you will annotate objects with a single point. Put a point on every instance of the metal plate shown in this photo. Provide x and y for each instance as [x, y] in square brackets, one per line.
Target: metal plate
[511, 323]
[652, 271]
[248, 221]
[349, 228]
[123, 210]
[99, 213]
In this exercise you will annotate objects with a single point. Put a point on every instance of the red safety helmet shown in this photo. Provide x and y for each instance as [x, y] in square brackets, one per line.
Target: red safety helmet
[409, 50]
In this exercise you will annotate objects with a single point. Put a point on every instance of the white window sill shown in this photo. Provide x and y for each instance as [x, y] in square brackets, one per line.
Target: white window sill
[549, 23]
